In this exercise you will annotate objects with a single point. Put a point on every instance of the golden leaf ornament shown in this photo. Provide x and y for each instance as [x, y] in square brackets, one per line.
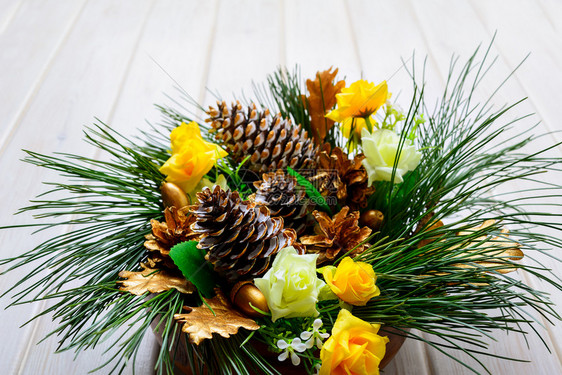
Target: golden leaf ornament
[216, 316]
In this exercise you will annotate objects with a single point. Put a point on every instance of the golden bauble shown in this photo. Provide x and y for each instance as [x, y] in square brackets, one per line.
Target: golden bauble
[173, 195]
[245, 293]
[372, 219]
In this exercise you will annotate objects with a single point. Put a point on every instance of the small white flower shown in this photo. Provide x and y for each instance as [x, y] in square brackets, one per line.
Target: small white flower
[314, 336]
[317, 368]
[296, 345]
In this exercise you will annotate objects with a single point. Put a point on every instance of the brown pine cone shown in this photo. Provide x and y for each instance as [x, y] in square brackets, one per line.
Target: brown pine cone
[240, 237]
[283, 196]
[272, 142]
[175, 229]
[337, 236]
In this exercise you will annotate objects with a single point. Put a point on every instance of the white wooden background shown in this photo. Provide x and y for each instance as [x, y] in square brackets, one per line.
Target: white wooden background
[64, 62]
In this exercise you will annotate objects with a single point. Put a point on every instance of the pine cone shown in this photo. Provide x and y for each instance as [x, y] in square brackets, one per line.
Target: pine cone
[271, 141]
[343, 178]
[176, 229]
[239, 236]
[284, 197]
[336, 236]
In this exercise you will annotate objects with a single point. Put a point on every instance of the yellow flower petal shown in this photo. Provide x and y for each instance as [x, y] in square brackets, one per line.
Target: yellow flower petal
[354, 348]
[192, 157]
[360, 100]
[353, 282]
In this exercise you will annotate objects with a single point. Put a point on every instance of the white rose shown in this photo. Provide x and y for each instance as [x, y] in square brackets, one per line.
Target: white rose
[380, 149]
[291, 286]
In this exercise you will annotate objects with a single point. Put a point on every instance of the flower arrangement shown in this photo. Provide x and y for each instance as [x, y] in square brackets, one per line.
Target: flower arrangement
[253, 242]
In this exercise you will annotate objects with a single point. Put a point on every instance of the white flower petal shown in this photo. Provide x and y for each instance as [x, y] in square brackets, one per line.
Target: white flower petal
[300, 347]
[380, 149]
[317, 324]
[282, 344]
[283, 356]
[385, 174]
[306, 335]
[318, 343]
[291, 286]
[295, 359]
[309, 343]
[317, 368]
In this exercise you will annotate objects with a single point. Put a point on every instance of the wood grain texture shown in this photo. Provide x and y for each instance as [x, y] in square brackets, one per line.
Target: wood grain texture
[19, 42]
[71, 94]
[64, 62]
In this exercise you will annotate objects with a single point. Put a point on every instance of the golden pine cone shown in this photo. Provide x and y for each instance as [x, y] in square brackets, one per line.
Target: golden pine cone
[175, 229]
[341, 177]
[336, 236]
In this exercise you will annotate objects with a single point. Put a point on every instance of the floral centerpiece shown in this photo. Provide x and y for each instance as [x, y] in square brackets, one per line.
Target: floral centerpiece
[306, 229]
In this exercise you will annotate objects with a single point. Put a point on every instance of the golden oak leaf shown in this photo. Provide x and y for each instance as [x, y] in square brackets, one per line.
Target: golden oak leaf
[200, 323]
[501, 247]
[153, 280]
[322, 98]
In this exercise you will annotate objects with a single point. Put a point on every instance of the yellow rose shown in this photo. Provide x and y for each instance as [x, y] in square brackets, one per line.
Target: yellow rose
[353, 282]
[358, 101]
[192, 157]
[354, 348]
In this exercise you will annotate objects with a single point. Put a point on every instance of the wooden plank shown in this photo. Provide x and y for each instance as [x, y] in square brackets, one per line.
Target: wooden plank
[389, 58]
[552, 10]
[9, 10]
[319, 36]
[70, 95]
[540, 78]
[439, 16]
[23, 47]
[411, 358]
[425, 26]
[245, 48]
[159, 67]
[145, 81]
[523, 27]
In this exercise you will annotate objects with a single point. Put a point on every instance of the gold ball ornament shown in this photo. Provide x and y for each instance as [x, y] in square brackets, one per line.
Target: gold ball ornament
[173, 195]
[372, 219]
[245, 293]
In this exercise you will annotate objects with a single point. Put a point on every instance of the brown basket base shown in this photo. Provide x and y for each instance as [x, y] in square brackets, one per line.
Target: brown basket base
[396, 339]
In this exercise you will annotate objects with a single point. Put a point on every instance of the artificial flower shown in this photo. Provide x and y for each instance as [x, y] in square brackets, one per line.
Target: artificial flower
[380, 148]
[354, 125]
[317, 368]
[192, 157]
[289, 349]
[291, 286]
[353, 282]
[354, 348]
[358, 102]
[315, 336]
